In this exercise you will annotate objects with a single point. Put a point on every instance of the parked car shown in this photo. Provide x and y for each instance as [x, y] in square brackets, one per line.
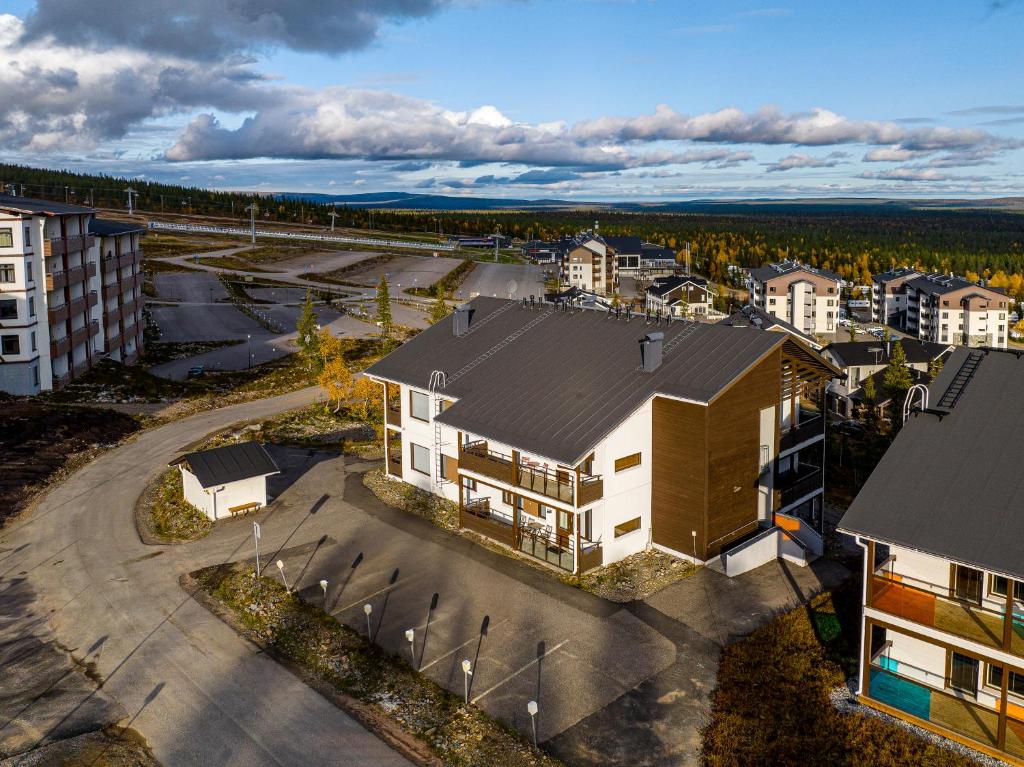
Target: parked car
[196, 371]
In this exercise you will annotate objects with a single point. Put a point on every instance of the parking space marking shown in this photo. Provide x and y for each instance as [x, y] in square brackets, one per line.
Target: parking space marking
[519, 671]
[454, 650]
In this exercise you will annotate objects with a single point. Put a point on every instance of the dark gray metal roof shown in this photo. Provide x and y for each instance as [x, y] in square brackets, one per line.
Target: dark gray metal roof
[754, 316]
[230, 463]
[569, 377]
[894, 274]
[627, 245]
[765, 273]
[952, 487]
[667, 284]
[849, 353]
[33, 207]
[937, 283]
[106, 228]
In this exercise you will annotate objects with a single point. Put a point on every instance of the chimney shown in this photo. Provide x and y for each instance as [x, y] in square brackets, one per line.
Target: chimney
[650, 351]
[460, 319]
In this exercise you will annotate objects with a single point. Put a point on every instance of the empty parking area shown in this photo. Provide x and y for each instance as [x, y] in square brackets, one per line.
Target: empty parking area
[405, 271]
[504, 281]
[527, 635]
[191, 287]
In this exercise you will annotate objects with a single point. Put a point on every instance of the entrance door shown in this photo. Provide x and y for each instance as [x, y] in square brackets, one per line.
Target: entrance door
[564, 527]
[967, 584]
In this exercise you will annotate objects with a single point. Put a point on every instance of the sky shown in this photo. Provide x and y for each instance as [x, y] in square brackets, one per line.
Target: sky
[567, 99]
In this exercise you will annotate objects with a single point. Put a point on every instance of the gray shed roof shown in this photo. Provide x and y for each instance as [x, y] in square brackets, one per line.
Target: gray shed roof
[848, 353]
[230, 463]
[952, 487]
[555, 383]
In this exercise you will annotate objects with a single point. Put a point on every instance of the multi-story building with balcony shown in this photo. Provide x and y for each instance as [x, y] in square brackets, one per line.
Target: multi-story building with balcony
[943, 598]
[948, 309]
[682, 295]
[590, 264]
[120, 260]
[51, 311]
[582, 436]
[805, 297]
[889, 299]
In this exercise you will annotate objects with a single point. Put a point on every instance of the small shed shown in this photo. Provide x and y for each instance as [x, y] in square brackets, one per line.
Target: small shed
[226, 480]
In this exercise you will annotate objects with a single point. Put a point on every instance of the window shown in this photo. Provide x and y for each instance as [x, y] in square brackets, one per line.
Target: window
[28, 272]
[6, 237]
[967, 584]
[963, 673]
[419, 405]
[28, 238]
[449, 467]
[587, 524]
[564, 520]
[627, 462]
[32, 336]
[10, 345]
[469, 484]
[627, 527]
[8, 309]
[420, 459]
[35, 375]
[997, 585]
[6, 272]
[31, 306]
[1015, 684]
[507, 497]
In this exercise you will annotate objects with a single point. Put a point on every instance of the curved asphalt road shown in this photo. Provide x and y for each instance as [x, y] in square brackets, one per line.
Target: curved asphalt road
[199, 693]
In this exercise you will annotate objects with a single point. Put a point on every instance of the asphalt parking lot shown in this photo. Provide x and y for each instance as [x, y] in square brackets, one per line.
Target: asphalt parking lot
[496, 279]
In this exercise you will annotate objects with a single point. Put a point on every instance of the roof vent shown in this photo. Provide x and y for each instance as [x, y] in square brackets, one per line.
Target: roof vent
[460, 319]
[650, 351]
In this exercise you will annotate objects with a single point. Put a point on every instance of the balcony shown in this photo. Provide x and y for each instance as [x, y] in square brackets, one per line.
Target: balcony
[954, 713]
[810, 425]
[592, 556]
[80, 336]
[72, 244]
[590, 489]
[553, 484]
[60, 346]
[918, 601]
[794, 485]
[60, 278]
[58, 314]
[392, 414]
[117, 262]
[113, 315]
[114, 342]
[475, 457]
[476, 515]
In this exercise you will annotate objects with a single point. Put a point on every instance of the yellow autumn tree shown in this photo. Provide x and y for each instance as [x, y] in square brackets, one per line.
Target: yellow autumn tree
[367, 401]
[336, 380]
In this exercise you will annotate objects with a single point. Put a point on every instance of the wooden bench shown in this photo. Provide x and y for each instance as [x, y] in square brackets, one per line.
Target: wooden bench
[245, 507]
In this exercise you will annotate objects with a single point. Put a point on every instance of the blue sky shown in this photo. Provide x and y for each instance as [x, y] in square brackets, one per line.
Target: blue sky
[581, 99]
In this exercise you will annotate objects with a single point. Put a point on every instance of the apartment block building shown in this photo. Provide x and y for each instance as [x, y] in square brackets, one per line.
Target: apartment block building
[805, 297]
[120, 259]
[948, 309]
[943, 597]
[889, 299]
[580, 436]
[52, 316]
[680, 296]
[591, 264]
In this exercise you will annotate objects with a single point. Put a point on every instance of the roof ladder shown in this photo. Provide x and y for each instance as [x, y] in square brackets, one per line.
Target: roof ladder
[960, 380]
[689, 330]
[438, 380]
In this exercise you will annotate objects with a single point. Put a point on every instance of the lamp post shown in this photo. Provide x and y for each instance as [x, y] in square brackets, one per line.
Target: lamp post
[694, 534]
[248, 341]
[323, 587]
[531, 709]
[284, 578]
[256, 538]
[467, 672]
[410, 635]
[367, 609]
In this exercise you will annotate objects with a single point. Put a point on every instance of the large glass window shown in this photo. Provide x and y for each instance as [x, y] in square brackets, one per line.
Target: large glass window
[999, 585]
[6, 272]
[963, 673]
[419, 405]
[1014, 685]
[10, 345]
[8, 309]
[967, 584]
[420, 459]
[6, 237]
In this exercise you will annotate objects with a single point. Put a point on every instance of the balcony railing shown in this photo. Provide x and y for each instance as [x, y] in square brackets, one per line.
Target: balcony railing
[559, 485]
[475, 457]
[920, 602]
[592, 556]
[71, 244]
[60, 346]
[591, 489]
[956, 713]
[811, 424]
[476, 515]
[392, 415]
[395, 461]
[794, 485]
[546, 482]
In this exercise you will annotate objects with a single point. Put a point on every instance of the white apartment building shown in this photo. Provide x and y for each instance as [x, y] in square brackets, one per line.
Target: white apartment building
[943, 597]
[120, 259]
[580, 436]
[805, 297]
[590, 264]
[51, 313]
[889, 299]
[948, 309]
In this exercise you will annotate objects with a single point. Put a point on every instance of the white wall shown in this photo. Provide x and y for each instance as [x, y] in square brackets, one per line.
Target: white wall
[215, 502]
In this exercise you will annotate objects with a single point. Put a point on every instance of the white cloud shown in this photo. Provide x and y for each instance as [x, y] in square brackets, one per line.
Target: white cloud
[801, 160]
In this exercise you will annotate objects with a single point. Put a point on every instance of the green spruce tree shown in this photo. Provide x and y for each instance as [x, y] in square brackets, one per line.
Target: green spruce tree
[439, 309]
[384, 308]
[896, 379]
[306, 328]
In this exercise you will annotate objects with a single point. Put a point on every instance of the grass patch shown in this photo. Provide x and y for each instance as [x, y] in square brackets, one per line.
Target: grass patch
[339, 276]
[112, 382]
[171, 517]
[447, 284]
[312, 427]
[231, 262]
[772, 705]
[331, 654]
[156, 245]
[159, 352]
[635, 577]
[439, 511]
